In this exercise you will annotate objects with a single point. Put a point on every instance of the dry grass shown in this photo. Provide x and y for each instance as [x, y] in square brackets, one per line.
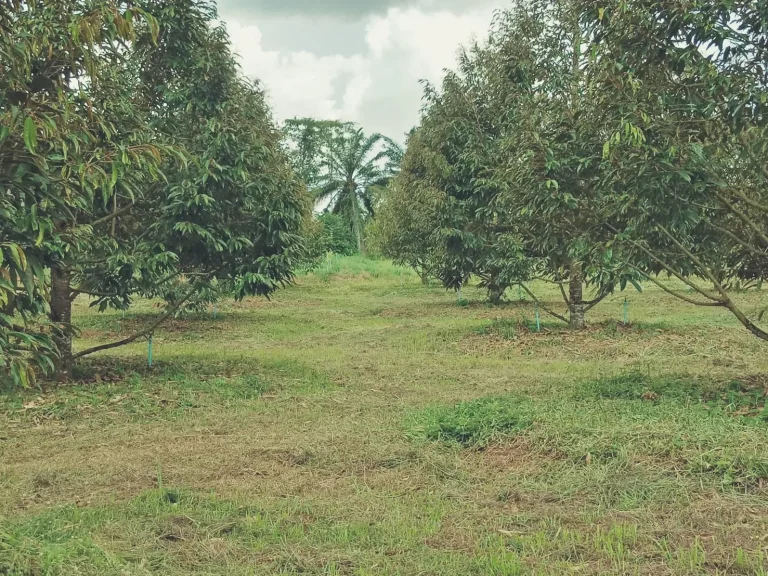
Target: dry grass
[278, 439]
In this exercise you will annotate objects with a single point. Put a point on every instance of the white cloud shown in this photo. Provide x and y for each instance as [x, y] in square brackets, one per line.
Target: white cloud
[299, 83]
[378, 88]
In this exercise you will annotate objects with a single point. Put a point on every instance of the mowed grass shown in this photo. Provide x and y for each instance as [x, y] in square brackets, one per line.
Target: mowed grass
[361, 424]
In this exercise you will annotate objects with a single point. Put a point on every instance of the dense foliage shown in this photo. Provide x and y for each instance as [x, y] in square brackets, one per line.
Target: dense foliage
[62, 156]
[596, 145]
[588, 145]
[684, 107]
[509, 138]
[335, 235]
[405, 228]
[136, 159]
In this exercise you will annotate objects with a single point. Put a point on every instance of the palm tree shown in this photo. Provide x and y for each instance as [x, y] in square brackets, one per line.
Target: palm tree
[353, 167]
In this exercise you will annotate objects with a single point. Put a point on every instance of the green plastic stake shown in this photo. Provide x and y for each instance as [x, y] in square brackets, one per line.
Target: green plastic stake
[215, 311]
[519, 293]
[149, 352]
[538, 318]
[626, 312]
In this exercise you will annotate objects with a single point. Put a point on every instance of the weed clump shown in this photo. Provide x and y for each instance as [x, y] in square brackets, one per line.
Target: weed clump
[639, 386]
[737, 398]
[474, 424]
[747, 472]
[507, 329]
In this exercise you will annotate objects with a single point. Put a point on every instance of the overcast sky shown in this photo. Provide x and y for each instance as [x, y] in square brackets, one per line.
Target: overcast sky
[358, 60]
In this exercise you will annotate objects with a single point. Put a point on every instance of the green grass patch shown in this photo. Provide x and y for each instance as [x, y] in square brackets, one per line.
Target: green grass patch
[474, 424]
[334, 266]
[169, 391]
[137, 398]
[169, 531]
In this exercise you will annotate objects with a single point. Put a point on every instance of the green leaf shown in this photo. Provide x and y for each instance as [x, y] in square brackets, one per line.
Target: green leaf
[30, 134]
[113, 179]
[28, 279]
[17, 255]
[23, 376]
[15, 374]
[6, 286]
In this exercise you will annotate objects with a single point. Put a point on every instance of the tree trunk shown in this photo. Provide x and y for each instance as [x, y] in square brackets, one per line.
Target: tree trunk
[357, 217]
[746, 322]
[61, 313]
[495, 294]
[576, 289]
[360, 242]
[424, 277]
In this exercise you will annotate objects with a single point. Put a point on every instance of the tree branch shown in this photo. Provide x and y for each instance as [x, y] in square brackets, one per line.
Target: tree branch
[718, 286]
[748, 200]
[562, 290]
[741, 242]
[112, 216]
[113, 230]
[592, 303]
[750, 152]
[168, 312]
[746, 322]
[678, 294]
[726, 299]
[744, 218]
[76, 291]
[541, 304]
[666, 267]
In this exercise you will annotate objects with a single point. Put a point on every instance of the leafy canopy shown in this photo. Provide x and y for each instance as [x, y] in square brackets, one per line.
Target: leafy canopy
[136, 157]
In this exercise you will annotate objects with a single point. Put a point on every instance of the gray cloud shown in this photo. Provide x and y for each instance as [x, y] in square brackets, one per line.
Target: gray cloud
[322, 36]
[348, 9]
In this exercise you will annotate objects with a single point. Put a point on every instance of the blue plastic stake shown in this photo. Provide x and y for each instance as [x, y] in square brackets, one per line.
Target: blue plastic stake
[149, 352]
[538, 318]
[626, 312]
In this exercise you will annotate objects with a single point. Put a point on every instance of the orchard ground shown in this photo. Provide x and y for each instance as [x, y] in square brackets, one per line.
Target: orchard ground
[361, 424]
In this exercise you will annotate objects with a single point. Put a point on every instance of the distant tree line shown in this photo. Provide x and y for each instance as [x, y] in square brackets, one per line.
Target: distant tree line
[345, 171]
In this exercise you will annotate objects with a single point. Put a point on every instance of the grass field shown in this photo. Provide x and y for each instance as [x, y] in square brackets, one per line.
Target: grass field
[361, 424]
